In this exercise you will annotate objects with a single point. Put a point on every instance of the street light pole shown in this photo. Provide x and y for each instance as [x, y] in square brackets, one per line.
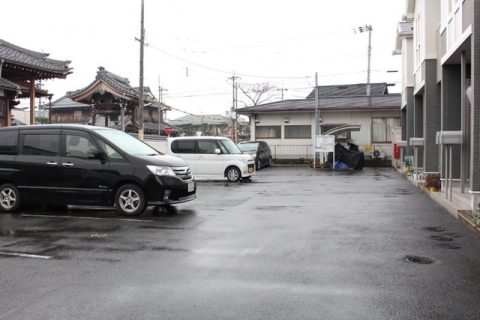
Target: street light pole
[140, 103]
[368, 29]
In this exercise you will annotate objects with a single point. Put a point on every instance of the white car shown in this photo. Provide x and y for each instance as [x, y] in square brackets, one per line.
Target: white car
[212, 158]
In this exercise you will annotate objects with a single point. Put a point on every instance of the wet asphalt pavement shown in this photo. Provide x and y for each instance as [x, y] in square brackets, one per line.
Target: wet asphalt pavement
[291, 244]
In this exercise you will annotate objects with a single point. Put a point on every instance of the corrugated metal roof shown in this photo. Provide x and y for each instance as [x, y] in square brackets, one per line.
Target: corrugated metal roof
[386, 101]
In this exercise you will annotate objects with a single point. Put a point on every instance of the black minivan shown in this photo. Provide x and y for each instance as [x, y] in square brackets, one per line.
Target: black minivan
[87, 165]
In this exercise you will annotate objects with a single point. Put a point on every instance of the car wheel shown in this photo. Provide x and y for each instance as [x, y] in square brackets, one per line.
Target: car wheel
[270, 161]
[130, 200]
[233, 174]
[9, 198]
[259, 164]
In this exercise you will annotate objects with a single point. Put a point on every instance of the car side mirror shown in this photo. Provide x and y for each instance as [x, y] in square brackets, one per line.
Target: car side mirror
[218, 151]
[96, 155]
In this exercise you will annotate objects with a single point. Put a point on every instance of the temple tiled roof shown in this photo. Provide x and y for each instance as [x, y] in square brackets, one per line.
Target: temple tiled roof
[14, 55]
[9, 85]
[116, 82]
[349, 90]
[67, 103]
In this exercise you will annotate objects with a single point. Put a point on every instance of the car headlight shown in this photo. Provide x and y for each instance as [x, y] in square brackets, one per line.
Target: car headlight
[245, 159]
[161, 170]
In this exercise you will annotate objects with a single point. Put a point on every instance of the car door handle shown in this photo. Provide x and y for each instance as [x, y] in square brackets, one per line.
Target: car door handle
[67, 164]
[52, 163]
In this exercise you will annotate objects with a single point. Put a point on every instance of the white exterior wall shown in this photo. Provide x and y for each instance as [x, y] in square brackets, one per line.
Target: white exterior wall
[298, 146]
[425, 25]
[408, 80]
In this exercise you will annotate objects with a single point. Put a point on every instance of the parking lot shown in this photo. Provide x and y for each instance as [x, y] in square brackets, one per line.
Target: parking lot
[292, 243]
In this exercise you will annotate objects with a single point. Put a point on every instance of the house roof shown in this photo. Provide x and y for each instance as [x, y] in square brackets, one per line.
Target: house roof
[30, 61]
[211, 119]
[349, 90]
[335, 103]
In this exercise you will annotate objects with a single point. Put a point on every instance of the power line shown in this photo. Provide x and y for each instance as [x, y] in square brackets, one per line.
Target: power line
[221, 71]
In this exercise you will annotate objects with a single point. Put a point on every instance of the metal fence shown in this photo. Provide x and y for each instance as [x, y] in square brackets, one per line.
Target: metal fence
[305, 153]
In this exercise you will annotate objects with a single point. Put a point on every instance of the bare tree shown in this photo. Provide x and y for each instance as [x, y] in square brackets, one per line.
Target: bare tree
[258, 93]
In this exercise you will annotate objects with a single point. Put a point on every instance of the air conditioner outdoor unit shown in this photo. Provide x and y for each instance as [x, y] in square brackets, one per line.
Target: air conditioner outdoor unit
[379, 154]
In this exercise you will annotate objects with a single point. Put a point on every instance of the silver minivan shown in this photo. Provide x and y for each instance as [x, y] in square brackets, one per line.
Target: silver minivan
[212, 157]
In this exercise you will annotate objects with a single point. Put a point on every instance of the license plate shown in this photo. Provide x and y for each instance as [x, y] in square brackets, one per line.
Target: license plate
[191, 187]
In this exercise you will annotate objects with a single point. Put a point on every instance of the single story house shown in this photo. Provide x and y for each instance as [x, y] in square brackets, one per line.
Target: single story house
[289, 126]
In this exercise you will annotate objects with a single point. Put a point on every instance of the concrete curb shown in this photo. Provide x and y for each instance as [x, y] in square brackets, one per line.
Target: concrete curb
[455, 207]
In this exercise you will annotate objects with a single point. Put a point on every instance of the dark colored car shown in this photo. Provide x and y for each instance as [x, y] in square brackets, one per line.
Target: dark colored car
[259, 150]
[87, 165]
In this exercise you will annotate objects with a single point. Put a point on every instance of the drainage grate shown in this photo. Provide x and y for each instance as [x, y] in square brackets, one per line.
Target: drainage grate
[419, 260]
[434, 229]
[450, 246]
[441, 238]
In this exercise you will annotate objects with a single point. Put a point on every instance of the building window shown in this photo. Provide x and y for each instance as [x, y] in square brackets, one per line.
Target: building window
[298, 132]
[77, 113]
[268, 132]
[382, 129]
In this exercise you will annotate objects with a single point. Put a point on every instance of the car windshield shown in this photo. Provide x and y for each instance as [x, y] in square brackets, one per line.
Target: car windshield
[230, 146]
[126, 142]
[248, 146]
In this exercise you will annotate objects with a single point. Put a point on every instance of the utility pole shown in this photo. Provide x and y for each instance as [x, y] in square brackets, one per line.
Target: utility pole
[317, 109]
[140, 103]
[368, 29]
[234, 107]
[160, 93]
[283, 89]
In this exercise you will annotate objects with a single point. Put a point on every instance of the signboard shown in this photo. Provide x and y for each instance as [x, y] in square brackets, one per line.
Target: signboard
[168, 130]
[325, 143]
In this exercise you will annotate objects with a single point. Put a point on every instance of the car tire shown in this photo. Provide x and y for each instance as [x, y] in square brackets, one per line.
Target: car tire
[270, 161]
[9, 198]
[130, 200]
[233, 174]
[259, 164]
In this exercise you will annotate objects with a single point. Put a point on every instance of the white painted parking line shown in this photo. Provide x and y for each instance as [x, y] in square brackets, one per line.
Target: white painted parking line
[24, 255]
[88, 218]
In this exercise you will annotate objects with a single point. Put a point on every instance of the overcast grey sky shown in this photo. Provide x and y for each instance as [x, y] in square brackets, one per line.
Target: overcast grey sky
[194, 46]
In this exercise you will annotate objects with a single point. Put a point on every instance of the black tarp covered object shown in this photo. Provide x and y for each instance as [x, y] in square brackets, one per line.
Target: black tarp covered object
[353, 159]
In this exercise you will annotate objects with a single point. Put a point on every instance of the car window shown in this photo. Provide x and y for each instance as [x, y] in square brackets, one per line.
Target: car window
[41, 144]
[183, 146]
[79, 147]
[126, 142]
[109, 150]
[207, 146]
[248, 146]
[230, 146]
[8, 142]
